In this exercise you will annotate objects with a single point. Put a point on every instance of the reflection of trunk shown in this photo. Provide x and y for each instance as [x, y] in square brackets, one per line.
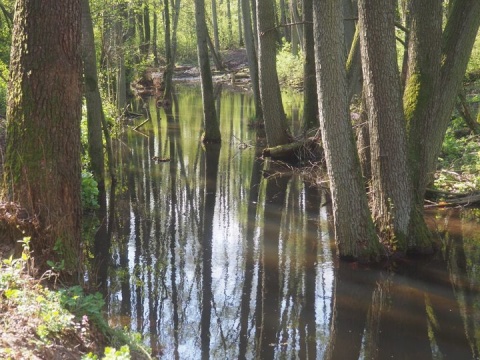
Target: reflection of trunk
[212, 155]
[249, 261]
[102, 242]
[403, 325]
[172, 232]
[351, 299]
[449, 330]
[307, 326]
[270, 283]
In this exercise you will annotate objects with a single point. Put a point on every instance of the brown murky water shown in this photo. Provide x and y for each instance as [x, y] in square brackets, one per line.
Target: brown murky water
[211, 258]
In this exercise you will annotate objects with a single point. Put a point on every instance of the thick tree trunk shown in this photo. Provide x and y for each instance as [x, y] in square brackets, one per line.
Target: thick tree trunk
[211, 126]
[354, 230]
[391, 190]
[42, 165]
[276, 127]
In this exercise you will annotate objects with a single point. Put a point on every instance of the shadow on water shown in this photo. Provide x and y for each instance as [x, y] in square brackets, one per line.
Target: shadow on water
[211, 258]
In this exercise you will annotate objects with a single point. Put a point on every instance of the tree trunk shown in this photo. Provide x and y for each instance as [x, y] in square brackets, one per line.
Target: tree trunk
[156, 62]
[310, 99]
[168, 74]
[251, 56]
[176, 14]
[211, 125]
[216, 39]
[241, 43]
[42, 165]
[93, 99]
[229, 24]
[354, 230]
[432, 86]
[276, 127]
[391, 190]
[457, 43]
[121, 90]
[146, 28]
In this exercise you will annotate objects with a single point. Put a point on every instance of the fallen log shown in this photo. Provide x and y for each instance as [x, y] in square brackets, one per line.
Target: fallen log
[467, 200]
[295, 151]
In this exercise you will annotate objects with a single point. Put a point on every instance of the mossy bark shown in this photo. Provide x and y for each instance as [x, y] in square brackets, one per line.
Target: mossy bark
[42, 165]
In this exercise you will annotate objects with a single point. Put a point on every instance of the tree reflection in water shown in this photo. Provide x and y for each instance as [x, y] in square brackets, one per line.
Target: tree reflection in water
[210, 259]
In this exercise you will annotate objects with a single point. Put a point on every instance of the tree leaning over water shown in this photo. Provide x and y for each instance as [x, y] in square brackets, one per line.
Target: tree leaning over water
[42, 163]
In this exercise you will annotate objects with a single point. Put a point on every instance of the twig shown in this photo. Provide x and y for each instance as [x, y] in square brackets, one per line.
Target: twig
[141, 124]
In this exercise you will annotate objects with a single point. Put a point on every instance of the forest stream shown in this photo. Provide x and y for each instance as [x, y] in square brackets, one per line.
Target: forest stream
[210, 256]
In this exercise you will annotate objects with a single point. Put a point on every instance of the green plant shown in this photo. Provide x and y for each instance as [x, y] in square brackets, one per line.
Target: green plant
[111, 354]
[76, 301]
[289, 66]
[89, 191]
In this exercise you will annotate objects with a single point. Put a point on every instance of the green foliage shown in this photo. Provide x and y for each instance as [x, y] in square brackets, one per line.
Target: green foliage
[459, 162]
[111, 354]
[53, 314]
[89, 191]
[289, 66]
[77, 302]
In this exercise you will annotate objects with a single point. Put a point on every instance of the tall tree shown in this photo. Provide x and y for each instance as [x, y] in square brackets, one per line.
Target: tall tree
[310, 99]
[168, 73]
[354, 230]
[93, 99]
[391, 189]
[276, 127]
[211, 125]
[42, 165]
[428, 112]
[251, 56]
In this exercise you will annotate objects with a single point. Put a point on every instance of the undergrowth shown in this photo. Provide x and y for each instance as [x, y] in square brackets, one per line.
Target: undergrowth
[459, 162]
[38, 320]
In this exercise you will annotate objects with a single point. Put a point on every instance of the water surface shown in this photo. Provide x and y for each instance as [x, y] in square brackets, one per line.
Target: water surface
[212, 257]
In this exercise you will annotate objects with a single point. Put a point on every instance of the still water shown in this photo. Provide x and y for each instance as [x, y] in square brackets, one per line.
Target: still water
[212, 257]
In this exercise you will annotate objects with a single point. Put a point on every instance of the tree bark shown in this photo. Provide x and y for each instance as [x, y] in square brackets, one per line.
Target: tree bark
[310, 99]
[92, 99]
[211, 125]
[42, 165]
[457, 43]
[391, 190]
[276, 127]
[168, 73]
[251, 56]
[354, 230]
